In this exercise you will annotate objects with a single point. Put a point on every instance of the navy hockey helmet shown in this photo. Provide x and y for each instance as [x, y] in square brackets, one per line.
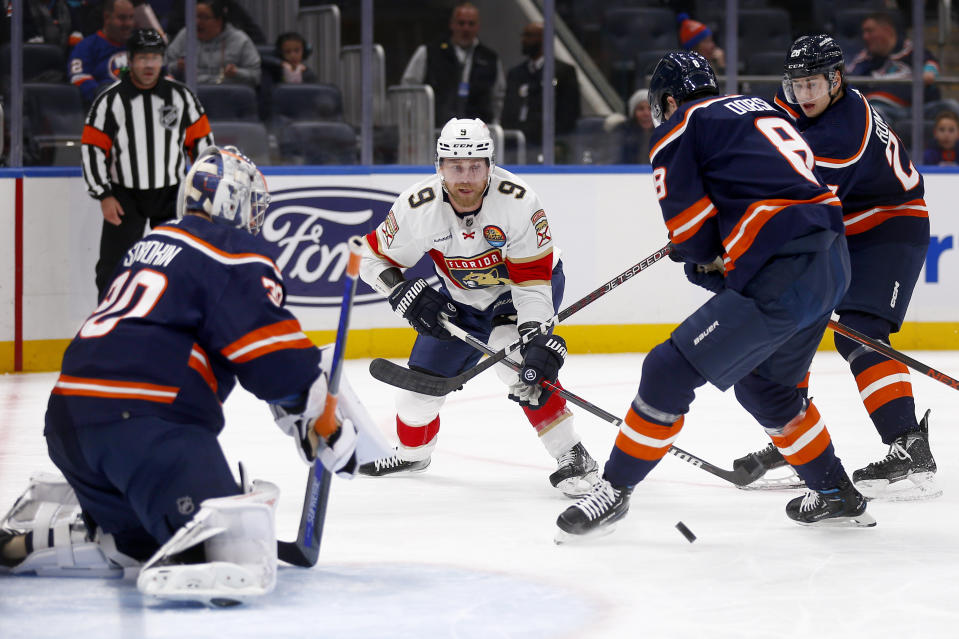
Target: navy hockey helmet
[226, 185]
[681, 74]
[145, 41]
[812, 55]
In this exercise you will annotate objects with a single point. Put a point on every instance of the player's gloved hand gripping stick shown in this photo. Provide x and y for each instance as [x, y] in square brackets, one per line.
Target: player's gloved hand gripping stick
[402, 377]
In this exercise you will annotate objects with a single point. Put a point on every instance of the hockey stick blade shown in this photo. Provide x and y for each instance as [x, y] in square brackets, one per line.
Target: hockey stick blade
[739, 476]
[402, 377]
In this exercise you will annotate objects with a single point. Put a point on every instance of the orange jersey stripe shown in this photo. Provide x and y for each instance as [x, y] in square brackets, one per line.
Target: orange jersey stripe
[114, 389]
[837, 163]
[804, 438]
[755, 217]
[788, 109]
[643, 439]
[684, 225]
[681, 127]
[96, 137]
[862, 221]
[200, 362]
[267, 339]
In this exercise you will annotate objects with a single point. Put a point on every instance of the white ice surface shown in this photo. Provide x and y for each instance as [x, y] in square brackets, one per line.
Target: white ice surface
[465, 549]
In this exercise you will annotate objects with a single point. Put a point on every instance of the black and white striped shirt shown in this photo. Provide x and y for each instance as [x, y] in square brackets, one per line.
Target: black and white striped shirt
[137, 138]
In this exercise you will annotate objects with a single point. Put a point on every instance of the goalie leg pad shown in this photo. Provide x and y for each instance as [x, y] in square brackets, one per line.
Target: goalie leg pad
[238, 534]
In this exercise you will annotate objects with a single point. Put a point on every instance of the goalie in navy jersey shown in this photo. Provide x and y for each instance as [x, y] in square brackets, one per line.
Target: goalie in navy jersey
[885, 215]
[752, 222]
[133, 418]
[500, 275]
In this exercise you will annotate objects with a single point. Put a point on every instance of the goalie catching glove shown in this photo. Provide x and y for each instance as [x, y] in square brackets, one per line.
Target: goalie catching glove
[421, 305]
[543, 356]
[336, 451]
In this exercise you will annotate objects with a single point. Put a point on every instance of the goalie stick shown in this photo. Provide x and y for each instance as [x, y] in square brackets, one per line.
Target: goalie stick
[305, 550]
[740, 476]
[402, 377]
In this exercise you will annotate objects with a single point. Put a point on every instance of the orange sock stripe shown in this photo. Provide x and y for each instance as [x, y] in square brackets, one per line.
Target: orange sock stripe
[645, 440]
[804, 438]
[879, 398]
[881, 370]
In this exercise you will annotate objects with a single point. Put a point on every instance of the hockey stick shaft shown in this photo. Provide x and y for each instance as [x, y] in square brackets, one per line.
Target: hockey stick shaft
[386, 371]
[306, 549]
[739, 477]
[891, 353]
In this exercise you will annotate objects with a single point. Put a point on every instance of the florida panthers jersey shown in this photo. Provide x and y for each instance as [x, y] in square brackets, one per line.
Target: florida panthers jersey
[864, 162]
[505, 245]
[193, 307]
[735, 179]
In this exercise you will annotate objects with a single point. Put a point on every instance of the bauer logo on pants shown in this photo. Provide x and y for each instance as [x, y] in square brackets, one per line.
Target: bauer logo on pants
[307, 229]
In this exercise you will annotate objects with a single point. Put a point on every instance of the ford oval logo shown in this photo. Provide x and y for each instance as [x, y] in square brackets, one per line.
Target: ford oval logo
[308, 228]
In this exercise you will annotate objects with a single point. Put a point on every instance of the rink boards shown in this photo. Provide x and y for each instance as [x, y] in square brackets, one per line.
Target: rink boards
[603, 219]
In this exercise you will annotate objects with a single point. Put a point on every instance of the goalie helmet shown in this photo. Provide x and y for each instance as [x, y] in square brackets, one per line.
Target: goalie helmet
[462, 138]
[227, 186]
[680, 74]
[812, 55]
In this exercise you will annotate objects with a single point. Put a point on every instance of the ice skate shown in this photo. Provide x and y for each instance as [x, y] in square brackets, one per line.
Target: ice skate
[576, 472]
[906, 473]
[595, 515]
[393, 465]
[769, 458]
[843, 506]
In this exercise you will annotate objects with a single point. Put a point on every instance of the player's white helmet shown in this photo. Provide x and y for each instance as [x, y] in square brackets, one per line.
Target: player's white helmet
[462, 138]
[227, 186]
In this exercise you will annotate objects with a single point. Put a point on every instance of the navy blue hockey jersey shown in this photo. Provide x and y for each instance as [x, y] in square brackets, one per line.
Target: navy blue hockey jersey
[193, 307]
[734, 178]
[861, 158]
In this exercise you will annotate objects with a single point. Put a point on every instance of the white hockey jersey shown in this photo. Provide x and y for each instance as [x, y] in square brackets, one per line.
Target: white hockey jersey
[505, 245]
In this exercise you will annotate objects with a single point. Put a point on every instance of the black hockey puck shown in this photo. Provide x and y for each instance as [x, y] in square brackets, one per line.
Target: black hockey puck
[687, 533]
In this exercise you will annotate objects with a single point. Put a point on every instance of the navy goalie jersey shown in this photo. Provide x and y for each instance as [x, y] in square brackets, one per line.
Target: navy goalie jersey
[193, 307]
[735, 179]
[862, 159]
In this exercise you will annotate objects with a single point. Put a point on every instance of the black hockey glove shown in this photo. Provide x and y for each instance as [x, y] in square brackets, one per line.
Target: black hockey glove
[421, 305]
[705, 275]
[543, 356]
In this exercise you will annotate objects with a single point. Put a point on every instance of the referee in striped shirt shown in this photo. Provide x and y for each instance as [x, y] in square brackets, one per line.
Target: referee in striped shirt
[135, 141]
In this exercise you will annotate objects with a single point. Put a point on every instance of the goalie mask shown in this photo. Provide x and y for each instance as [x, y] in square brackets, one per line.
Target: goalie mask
[465, 139]
[227, 186]
[809, 58]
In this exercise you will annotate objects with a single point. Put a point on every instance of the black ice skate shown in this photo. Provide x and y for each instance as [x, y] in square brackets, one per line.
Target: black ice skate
[769, 458]
[393, 465]
[576, 472]
[906, 473]
[595, 514]
[843, 506]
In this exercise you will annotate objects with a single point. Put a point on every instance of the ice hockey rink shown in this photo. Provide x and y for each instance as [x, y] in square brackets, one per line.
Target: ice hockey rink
[466, 549]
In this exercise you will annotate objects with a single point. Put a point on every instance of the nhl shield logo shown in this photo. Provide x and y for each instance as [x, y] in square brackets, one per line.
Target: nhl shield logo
[184, 505]
[169, 115]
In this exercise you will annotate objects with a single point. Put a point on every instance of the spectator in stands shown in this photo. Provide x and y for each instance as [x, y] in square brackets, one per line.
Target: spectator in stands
[637, 130]
[235, 15]
[225, 55]
[467, 77]
[291, 48]
[523, 105]
[945, 134]
[49, 22]
[98, 58]
[696, 36]
[889, 55]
